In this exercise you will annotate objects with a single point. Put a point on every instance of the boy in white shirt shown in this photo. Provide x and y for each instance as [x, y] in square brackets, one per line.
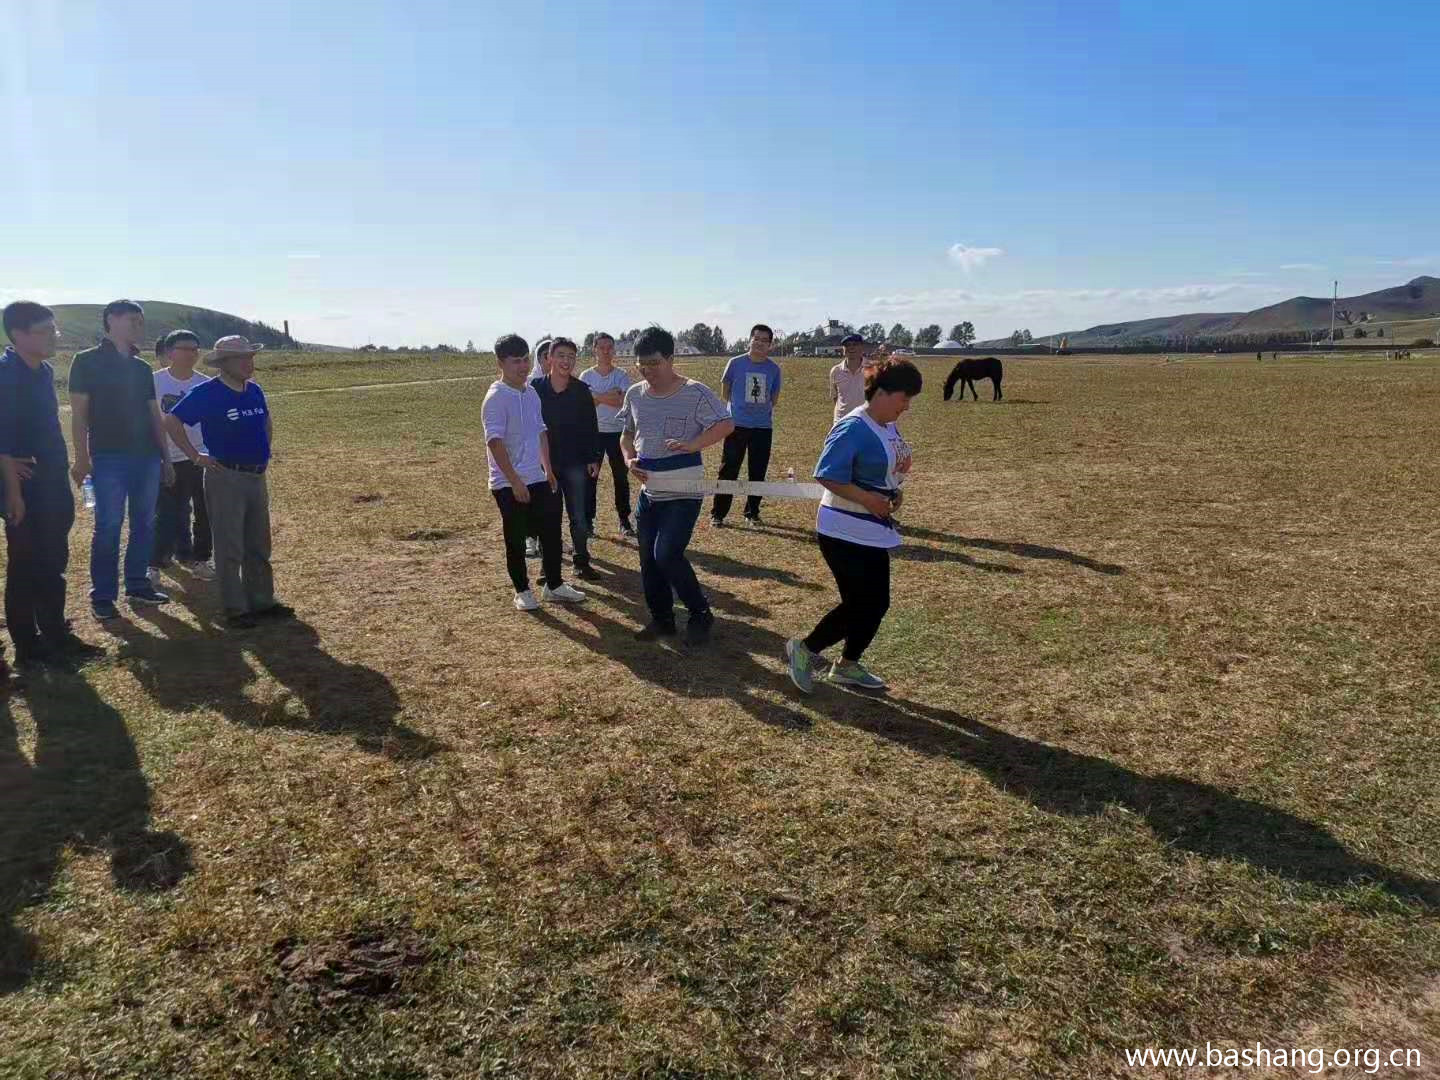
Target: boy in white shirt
[608, 384]
[521, 479]
[174, 537]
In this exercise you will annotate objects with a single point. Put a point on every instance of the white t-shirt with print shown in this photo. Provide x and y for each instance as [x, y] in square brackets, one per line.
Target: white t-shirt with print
[168, 392]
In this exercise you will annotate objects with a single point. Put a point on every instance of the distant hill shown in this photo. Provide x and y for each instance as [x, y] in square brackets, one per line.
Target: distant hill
[1414, 300]
[79, 325]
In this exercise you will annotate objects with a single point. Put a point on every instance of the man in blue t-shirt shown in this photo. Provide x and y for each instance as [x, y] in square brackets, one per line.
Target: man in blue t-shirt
[751, 385]
[233, 418]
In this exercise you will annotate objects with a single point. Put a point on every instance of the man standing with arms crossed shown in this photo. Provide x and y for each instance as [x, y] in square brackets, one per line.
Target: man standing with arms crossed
[751, 386]
[115, 423]
[847, 379]
[608, 384]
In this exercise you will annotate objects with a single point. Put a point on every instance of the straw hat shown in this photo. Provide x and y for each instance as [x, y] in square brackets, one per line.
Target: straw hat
[234, 345]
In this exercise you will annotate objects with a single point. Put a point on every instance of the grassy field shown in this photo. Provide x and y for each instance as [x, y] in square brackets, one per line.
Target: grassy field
[1158, 765]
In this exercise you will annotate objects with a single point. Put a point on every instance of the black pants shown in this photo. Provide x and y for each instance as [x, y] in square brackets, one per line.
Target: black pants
[173, 536]
[543, 511]
[610, 443]
[757, 441]
[38, 553]
[863, 574]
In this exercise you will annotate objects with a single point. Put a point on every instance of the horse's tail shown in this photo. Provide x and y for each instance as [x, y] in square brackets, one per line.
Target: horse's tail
[953, 379]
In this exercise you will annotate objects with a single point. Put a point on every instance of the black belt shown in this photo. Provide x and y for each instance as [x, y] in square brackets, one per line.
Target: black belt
[242, 468]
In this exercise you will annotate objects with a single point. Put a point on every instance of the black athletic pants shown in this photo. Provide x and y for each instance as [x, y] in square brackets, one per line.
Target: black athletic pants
[38, 551]
[757, 441]
[610, 443]
[863, 574]
[543, 510]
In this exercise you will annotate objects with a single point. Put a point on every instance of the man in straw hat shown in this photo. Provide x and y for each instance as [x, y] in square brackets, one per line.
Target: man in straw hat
[232, 416]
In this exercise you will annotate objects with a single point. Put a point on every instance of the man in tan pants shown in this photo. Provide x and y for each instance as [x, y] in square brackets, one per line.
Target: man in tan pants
[235, 421]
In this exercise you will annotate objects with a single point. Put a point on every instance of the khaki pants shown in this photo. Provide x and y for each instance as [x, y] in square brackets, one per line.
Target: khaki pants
[239, 505]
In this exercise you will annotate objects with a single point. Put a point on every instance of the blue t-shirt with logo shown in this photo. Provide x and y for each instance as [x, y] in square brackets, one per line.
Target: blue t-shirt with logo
[233, 423]
[752, 390]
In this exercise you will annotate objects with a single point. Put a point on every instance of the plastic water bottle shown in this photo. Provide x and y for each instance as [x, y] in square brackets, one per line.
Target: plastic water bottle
[87, 493]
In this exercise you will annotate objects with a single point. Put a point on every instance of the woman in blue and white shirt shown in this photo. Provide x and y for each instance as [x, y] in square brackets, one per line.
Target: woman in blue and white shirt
[861, 468]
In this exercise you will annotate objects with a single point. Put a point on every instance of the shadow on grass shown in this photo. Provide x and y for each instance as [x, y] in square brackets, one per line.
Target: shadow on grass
[186, 669]
[905, 552]
[724, 668]
[1009, 547]
[1182, 813]
[85, 789]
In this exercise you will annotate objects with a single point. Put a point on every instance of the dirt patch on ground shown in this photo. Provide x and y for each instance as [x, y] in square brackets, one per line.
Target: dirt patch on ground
[367, 964]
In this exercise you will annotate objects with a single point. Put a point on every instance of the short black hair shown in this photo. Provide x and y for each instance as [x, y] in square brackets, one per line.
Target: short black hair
[655, 340]
[891, 375]
[768, 332]
[173, 338]
[565, 342]
[511, 345]
[119, 307]
[24, 315]
[603, 336]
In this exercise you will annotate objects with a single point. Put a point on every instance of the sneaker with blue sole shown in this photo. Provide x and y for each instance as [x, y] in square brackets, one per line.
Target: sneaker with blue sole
[853, 673]
[801, 661]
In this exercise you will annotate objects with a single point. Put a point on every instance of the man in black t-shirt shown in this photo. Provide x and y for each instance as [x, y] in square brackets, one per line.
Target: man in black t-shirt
[120, 443]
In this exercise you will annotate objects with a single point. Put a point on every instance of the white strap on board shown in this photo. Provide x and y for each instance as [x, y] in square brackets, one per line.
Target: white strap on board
[663, 483]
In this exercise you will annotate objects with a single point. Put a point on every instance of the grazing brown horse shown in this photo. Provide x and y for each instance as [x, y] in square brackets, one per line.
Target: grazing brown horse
[968, 370]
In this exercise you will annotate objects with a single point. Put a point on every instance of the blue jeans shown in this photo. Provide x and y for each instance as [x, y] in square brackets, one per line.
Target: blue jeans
[574, 489]
[122, 479]
[665, 527]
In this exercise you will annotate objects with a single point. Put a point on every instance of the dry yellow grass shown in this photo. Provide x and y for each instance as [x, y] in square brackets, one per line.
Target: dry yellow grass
[1157, 767]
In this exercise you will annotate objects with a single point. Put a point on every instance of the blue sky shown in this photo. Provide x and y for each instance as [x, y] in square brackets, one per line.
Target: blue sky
[426, 172]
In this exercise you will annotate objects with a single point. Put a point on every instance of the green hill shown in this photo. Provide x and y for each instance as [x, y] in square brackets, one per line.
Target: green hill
[79, 324]
[1394, 307]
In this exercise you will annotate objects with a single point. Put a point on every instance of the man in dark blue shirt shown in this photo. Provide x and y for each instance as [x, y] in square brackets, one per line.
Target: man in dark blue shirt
[39, 509]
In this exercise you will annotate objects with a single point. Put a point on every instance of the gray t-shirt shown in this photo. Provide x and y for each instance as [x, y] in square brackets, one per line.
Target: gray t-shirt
[682, 415]
[607, 416]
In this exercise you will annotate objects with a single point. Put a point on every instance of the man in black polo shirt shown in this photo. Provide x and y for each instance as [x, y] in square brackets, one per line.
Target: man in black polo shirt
[116, 427]
[39, 508]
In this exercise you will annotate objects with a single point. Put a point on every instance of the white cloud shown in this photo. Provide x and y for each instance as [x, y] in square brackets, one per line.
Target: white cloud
[1301, 266]
[720, 310]
[1412, 260]
[303, 255]
[972, 258]
[566, 307]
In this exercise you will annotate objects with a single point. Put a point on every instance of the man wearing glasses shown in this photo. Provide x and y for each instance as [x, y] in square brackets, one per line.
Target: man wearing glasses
[179, 350]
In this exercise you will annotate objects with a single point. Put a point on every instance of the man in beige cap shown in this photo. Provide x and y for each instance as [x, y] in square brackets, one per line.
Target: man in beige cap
[233, 418]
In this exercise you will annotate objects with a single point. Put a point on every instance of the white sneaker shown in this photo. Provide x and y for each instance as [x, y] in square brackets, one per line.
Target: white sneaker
[568, 593]
[525, 601]
[203, 570]
[532, 548]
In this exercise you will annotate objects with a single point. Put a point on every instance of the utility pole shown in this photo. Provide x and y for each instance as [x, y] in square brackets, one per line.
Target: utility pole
[1334, 299]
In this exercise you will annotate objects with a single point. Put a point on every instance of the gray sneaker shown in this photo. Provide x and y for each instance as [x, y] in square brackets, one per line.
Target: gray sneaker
[801, 660]
[853, 673]
[532, 548]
